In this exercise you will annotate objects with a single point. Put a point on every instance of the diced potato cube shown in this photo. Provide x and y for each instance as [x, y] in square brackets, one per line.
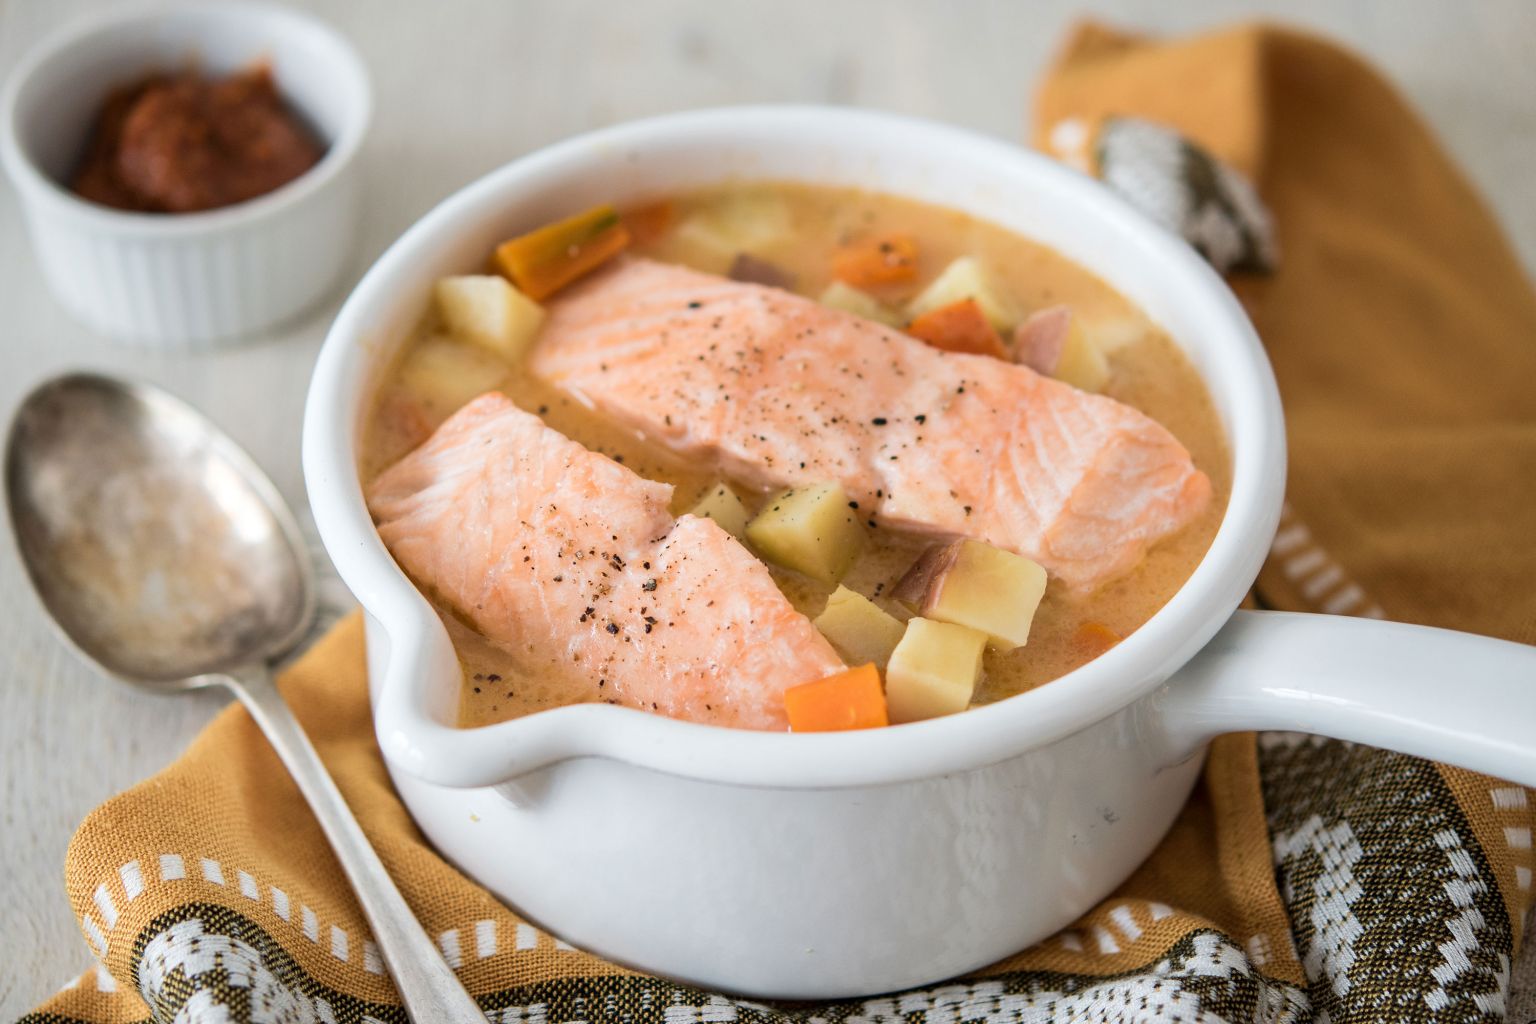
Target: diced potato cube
[445, 373]
[1110, 334]
[487, 310]
[749, 221]
[858, 629]
[843, 296]
[1055, 342]
[933, 671]
[966, 278]
[1040, 339]
[1082, 363]
[811, 530]
[722, 505]
[973, 584]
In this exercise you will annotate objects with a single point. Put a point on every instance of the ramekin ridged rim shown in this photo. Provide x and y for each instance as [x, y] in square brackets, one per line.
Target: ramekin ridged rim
[41, 187]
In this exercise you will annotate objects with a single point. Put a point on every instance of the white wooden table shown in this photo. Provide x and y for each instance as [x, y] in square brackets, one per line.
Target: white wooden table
[463, 87]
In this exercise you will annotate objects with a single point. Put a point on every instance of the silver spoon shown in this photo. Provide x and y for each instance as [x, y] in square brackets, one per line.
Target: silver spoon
[170, 562]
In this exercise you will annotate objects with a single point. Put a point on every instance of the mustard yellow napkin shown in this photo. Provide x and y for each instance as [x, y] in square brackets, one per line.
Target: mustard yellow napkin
[1306, 880]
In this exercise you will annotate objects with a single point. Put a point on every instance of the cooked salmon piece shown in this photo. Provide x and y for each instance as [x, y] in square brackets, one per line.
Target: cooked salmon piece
[772, 390]
[574, 565]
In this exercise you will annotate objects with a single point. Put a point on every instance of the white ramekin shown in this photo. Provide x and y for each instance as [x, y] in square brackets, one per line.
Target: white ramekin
[810, 866]
[196, 279]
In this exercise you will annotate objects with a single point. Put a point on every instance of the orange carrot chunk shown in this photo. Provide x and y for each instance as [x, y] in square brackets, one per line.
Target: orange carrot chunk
[959, 327]
[872, 262]
[542, 262]
[648, 223]
[1094, 638]
[849, 700]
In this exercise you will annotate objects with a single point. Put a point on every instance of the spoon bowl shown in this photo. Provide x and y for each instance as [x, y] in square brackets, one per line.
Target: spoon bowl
[160, 549]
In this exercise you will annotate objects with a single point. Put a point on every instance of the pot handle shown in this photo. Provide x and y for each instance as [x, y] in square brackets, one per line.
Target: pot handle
[1453, 697]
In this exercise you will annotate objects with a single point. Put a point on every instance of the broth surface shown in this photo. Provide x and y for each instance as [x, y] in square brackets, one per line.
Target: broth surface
[1148, 371]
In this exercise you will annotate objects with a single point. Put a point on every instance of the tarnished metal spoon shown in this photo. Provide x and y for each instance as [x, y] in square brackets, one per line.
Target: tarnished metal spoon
[169, 561]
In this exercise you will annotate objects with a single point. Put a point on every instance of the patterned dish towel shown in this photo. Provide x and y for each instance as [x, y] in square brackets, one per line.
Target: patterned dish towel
[1307, 880]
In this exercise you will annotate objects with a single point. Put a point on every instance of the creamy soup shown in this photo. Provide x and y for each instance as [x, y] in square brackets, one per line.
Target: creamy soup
[1146, 370]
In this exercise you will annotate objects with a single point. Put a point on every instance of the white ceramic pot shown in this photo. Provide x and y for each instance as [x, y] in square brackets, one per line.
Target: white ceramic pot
[189, 279]
[810, 866]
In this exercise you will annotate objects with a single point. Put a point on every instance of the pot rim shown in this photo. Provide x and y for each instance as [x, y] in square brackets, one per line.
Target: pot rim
[414, 722]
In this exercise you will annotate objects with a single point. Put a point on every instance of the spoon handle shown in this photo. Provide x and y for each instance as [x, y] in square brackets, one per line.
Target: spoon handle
[427, 985]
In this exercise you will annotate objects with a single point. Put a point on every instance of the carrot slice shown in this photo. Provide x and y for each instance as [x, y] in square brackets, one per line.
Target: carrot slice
[544, 261]
[959, 327]
[849, 700]
[648, 223]
[872, 262]
[1094, 638]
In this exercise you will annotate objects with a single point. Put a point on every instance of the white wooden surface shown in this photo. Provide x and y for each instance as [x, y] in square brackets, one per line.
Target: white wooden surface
[464, 86]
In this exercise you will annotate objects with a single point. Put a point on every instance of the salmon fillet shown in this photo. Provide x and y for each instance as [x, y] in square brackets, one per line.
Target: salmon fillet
[574, 565]
[772, 390]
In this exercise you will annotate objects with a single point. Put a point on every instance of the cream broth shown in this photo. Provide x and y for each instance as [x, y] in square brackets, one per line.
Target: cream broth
[1147, 371]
